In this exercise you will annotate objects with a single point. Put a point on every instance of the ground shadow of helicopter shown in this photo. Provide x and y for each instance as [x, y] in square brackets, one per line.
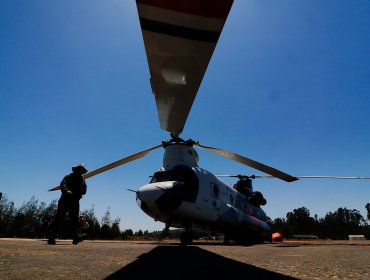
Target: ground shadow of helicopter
[186, 262]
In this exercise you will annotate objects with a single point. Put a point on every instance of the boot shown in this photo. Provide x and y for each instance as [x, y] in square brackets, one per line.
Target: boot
[51, 241]
[78, 238]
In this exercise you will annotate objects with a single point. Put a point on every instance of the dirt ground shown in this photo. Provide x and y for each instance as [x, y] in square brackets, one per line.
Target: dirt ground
[34, 259]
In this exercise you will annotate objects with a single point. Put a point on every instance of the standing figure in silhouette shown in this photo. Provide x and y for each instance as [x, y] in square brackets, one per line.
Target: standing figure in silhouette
[73, 187]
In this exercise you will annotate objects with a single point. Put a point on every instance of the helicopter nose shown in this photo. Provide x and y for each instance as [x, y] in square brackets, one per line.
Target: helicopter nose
[162, 196]
[151, 192]
[148, 194]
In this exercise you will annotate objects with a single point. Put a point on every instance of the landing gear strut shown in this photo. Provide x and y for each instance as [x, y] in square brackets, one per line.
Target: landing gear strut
[186, 238]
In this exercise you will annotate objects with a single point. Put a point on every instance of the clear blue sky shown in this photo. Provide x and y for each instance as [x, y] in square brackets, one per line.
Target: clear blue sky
[288, 85]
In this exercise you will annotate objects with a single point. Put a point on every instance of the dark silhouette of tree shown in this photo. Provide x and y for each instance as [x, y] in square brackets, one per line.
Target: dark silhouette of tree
[128, 233]
[279, 225]
[299, 221]
[337, 225]
[93, 232]
[165, 233]
[7, 212]
[341, 223]
[25, 222]
[29, 221]
[110, 229]
[115, 231]
[49, 210]
[367, 206]
[106, 223]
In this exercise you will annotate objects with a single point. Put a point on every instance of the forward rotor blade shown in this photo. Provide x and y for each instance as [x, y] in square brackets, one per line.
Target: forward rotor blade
[251, 163]
[179, 38]
[54, 189]
[115, 164]
[120, 162]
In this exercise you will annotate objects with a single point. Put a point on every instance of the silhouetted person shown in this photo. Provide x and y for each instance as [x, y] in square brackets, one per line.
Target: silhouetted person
[84, 225]
[73, 187]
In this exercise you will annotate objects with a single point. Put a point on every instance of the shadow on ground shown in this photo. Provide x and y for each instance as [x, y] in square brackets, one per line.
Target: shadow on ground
[189, 262]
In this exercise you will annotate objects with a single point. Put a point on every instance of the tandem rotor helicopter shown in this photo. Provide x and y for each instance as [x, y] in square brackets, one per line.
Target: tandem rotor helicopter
[180, 37]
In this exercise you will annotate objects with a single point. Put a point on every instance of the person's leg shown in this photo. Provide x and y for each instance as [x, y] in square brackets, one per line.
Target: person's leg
[74, 215]
[55, 225]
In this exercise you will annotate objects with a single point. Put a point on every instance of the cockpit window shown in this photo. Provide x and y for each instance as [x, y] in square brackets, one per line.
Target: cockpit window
[179, 174]
[162, 176]
[182, 174]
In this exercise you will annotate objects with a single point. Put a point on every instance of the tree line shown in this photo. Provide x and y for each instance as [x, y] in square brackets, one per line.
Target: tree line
[32, 218]
[335, 225]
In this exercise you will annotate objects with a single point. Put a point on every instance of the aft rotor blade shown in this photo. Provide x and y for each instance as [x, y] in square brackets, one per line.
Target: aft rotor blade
[321, 177]
[299, 177]
[251, 163]
[115, 164]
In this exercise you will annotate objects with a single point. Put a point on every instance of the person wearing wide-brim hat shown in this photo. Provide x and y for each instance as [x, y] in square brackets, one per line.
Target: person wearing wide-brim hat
[73, 187]
[79, 168]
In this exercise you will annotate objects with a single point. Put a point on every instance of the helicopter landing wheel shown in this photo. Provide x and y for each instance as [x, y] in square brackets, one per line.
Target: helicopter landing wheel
[186, 238]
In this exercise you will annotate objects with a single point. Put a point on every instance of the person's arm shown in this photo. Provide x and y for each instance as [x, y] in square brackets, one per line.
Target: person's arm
[64, 186]
[83, 188]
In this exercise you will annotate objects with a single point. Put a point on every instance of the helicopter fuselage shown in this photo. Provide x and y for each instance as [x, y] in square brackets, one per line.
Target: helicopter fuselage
[183, 195]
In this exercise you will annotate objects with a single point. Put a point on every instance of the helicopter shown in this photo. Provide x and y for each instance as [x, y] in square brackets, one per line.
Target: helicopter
[180, 38]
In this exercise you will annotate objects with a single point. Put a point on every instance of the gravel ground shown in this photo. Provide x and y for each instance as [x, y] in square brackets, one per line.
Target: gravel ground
[34, 259]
